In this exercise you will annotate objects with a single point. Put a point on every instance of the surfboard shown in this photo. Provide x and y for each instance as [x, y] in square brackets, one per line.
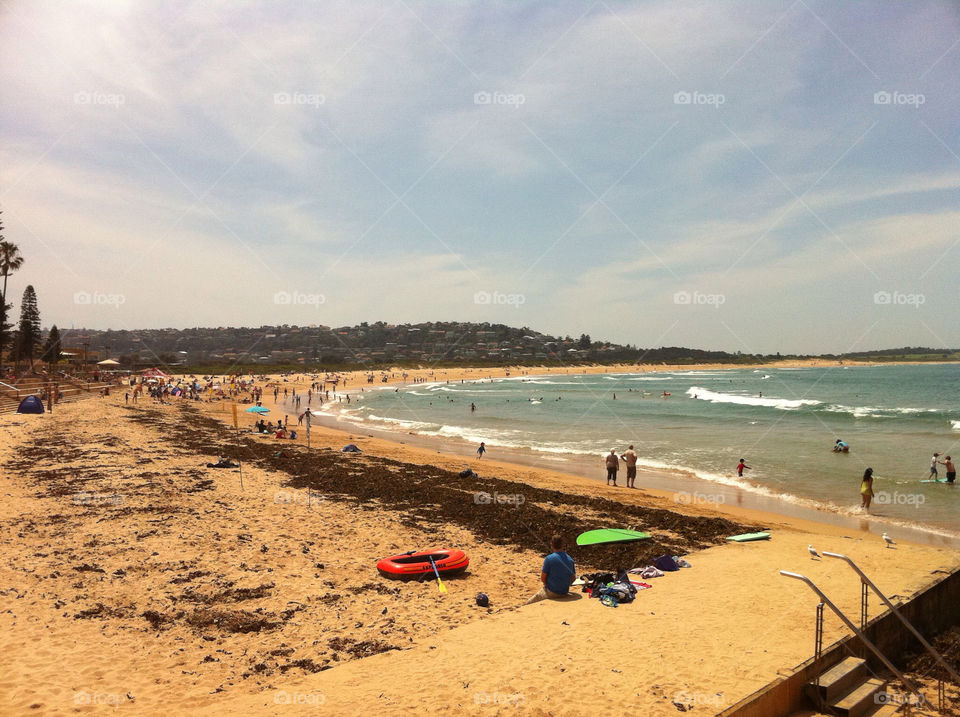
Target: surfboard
[747, 537]
[931, 480]
[609, 535]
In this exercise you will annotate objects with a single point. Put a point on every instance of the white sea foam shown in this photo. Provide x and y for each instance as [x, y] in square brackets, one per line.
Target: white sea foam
[785, 404]
[955, 425]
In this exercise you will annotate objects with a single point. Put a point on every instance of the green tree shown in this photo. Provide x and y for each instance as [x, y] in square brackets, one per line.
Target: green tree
[10, 261]
[584, 342]
[28, 330]
[52, 349]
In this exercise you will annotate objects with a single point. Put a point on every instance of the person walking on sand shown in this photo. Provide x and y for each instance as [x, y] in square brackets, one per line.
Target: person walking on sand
[613, 465]
[481, 449]
[866, 489]
[741, 466]
[557, 573]
[630, 458]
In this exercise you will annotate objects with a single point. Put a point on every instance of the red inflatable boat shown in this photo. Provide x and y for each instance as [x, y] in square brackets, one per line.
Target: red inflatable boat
[414, 565]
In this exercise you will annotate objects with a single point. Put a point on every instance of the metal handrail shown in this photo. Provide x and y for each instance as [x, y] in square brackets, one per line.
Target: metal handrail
[866, 641]
[906, 623]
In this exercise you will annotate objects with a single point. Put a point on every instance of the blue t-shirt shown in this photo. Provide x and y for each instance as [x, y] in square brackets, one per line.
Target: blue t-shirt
[559, 569]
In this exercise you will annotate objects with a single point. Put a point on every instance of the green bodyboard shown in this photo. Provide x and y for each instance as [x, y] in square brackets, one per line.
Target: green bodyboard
[747, 537]
[609, 535]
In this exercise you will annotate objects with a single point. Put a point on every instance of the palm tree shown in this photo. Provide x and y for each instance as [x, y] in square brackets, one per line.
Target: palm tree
[10, 260]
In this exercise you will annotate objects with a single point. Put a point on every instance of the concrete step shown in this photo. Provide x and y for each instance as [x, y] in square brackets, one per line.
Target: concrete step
[885, 711]
[861, 700]
[839, 679]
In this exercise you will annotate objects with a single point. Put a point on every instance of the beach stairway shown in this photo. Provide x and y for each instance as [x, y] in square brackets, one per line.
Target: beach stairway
[848, 690]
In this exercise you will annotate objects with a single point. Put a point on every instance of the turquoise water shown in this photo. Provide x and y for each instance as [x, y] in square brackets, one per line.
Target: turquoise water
[782, 421]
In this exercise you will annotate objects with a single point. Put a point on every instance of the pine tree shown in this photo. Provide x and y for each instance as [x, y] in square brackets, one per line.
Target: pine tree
[52, 349]
[28, 330]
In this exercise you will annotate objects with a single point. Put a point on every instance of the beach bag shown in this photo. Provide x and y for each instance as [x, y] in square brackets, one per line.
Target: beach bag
[592, 582]
[666, 564]
[619, 592]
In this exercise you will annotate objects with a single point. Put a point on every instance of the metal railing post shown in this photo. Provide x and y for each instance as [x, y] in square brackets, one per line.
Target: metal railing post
[866, 641]
[867, 581]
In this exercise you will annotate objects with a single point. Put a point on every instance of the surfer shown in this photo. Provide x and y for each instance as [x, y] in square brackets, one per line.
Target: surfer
[630, 458]
[933, 466]
[841, 447]
[951, 469]
[866, 489]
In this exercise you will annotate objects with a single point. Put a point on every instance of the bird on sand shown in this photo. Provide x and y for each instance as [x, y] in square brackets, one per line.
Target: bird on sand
[814, 555]
[888, 540]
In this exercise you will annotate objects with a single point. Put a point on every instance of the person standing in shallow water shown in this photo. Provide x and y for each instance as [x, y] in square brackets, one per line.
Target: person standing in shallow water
[866, 489]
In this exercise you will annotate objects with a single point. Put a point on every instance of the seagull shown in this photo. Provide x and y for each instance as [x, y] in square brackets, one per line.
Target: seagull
[813, 552]
[888, 540]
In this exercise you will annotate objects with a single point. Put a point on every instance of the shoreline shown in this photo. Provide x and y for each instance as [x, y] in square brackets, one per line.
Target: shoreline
[681, 487]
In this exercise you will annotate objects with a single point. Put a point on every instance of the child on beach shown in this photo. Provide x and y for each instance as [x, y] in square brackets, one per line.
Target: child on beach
[741, 466]
[866, 489]
[933, 466]
[481, 450]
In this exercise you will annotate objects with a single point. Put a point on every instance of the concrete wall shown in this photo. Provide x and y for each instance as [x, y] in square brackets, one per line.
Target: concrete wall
[931, 610]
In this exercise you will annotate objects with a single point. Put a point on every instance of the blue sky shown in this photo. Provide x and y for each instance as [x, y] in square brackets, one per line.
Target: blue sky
[756, 177]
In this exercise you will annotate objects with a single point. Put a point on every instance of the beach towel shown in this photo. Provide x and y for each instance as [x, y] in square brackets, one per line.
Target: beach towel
[641, 586]
[666, 563]
[647, 572]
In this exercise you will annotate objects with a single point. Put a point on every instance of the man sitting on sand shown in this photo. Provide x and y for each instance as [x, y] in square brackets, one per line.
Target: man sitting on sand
[557, 574]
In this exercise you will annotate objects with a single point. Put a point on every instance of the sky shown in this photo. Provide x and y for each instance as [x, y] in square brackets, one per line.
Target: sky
[755, 176]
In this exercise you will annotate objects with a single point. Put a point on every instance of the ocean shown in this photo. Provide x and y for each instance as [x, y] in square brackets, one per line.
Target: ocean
[783, 421]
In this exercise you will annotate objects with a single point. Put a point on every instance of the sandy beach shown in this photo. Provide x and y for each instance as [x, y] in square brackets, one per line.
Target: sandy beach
[138, 578]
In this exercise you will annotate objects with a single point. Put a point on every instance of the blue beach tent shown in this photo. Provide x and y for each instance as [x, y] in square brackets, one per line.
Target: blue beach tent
[31, 404]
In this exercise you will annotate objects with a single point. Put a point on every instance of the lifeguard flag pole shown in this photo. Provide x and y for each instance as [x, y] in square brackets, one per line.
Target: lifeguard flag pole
[236, 425]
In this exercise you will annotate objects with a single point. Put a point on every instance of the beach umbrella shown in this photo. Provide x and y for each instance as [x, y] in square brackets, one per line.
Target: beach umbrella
[258, 409]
